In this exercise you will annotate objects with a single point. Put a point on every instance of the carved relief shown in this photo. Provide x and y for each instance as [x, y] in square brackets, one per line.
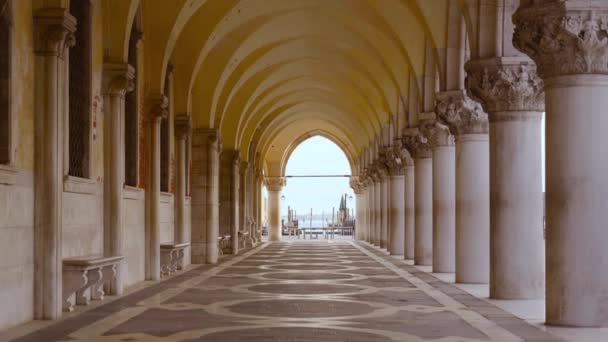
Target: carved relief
[118, 79]
[397, 159]
[461, 114]
[413, 140]
[564, 38]
[437, 133]
[508, 84]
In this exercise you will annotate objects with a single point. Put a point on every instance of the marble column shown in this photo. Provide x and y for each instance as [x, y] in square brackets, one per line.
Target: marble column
[274, 185]
[257, 210]
[397, 161]
[469, 124]
[117, 80]
[53, 36]
[575, 75]
[515, 105]
[423, 193]
[229, 196]
[206, 146]
[378, 209]
[157, 111]
[357, 186]
[235, 228]
[444, 195]
[410, 211]
[384, 209]
[183, 131]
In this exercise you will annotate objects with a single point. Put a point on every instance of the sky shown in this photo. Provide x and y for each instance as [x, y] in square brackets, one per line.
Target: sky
[316, 156]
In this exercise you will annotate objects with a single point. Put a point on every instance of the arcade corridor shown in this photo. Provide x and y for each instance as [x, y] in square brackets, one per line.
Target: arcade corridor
[297, 291]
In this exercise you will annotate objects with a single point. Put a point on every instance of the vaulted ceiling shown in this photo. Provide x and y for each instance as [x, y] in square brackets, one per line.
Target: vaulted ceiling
[271, 72]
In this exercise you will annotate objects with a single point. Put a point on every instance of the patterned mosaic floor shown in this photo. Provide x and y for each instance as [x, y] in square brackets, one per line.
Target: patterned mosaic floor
[298, 292]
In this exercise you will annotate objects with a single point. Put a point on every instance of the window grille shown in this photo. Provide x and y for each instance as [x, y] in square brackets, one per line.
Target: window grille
[5, 74]
[131, 116]
[80, 91]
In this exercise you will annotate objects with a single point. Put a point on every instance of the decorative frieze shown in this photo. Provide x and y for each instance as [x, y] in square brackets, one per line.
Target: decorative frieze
[505, 84]
[564, 37]
[460, 113]
[414, 141]
[275, 183]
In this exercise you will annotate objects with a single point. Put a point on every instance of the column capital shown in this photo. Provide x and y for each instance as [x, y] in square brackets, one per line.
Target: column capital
[397, 159]
[183, 126]
[505, 84]
[356, 185]
[118, 79]
[243, 166]
[436, 132]
[53, 31]
[380, 168]
[207, 137]
[158, 107]
[275, 183]
[460, 113]
[416, 143]
[565, 37]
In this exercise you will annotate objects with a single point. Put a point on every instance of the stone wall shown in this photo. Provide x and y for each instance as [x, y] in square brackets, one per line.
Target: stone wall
[134, 235]
[82, 223]
[167, 218]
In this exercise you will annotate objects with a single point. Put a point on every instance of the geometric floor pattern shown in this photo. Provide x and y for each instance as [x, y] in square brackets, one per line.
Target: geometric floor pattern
[297, 291]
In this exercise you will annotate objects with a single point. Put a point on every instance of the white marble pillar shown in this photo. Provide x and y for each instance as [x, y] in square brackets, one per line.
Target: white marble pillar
[384, 210]
[469, 123]
[410, 212]
[157, 111]
[206, 146]
[234, 229]
[118, 79]
[515, 107]
[358, 188]
[274, 185]
[378, 210]
[444, 196]
[183, 131]
[423, 196]
[53, 33]
[575, 73]
[396, 190]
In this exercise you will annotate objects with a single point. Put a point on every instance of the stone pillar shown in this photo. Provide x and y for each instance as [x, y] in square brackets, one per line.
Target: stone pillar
[384, 208]
[357, 186]
[423, 192]
[444, 195]
[118, 79]
[515, 103]
[274, 186]
[575, 73]
[183, 131]
[157, 111]
[397, 160]
[257, 210]
[410, 211]
[235, 203]
[229, 195]
[206, 146]
[377, 209]
[53, 35]
[469, 123]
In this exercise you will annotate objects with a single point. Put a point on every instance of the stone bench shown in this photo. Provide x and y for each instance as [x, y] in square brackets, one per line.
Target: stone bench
[172, 257]
[84, 278]
[223, 243]
[243, 236]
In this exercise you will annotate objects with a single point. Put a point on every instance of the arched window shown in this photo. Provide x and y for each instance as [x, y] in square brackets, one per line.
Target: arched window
[80, 91]
[164, 139]
[5, 82]
[132, 112]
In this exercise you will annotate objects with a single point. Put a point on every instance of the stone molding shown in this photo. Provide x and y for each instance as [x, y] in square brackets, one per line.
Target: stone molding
[564, 37]
[275, 183]
[183, 126]
[118, 79]
[460, 113]
[158, 107]
[416, 142]
[436, 132]
[505, 84]
[53, 31]
[79, 185]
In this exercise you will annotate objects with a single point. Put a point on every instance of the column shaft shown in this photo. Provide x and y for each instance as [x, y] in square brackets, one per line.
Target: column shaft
[472, 209]
[274, 215]
[153, 200]
[378, 213]
[444, 208]
[397, 215]
[423, 254]
[385, 210]
[213, 205]
[410, 212]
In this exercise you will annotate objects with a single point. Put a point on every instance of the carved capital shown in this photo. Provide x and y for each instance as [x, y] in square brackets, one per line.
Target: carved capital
[275, 183]
[397, 159]
[460, 113]
[437, 133]
[53, 31]
[415, 142]
[356, 184]
[183, 126]
[566, 37]
[505, 84]
[118, 79]
[158, 108]
[244, 167]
